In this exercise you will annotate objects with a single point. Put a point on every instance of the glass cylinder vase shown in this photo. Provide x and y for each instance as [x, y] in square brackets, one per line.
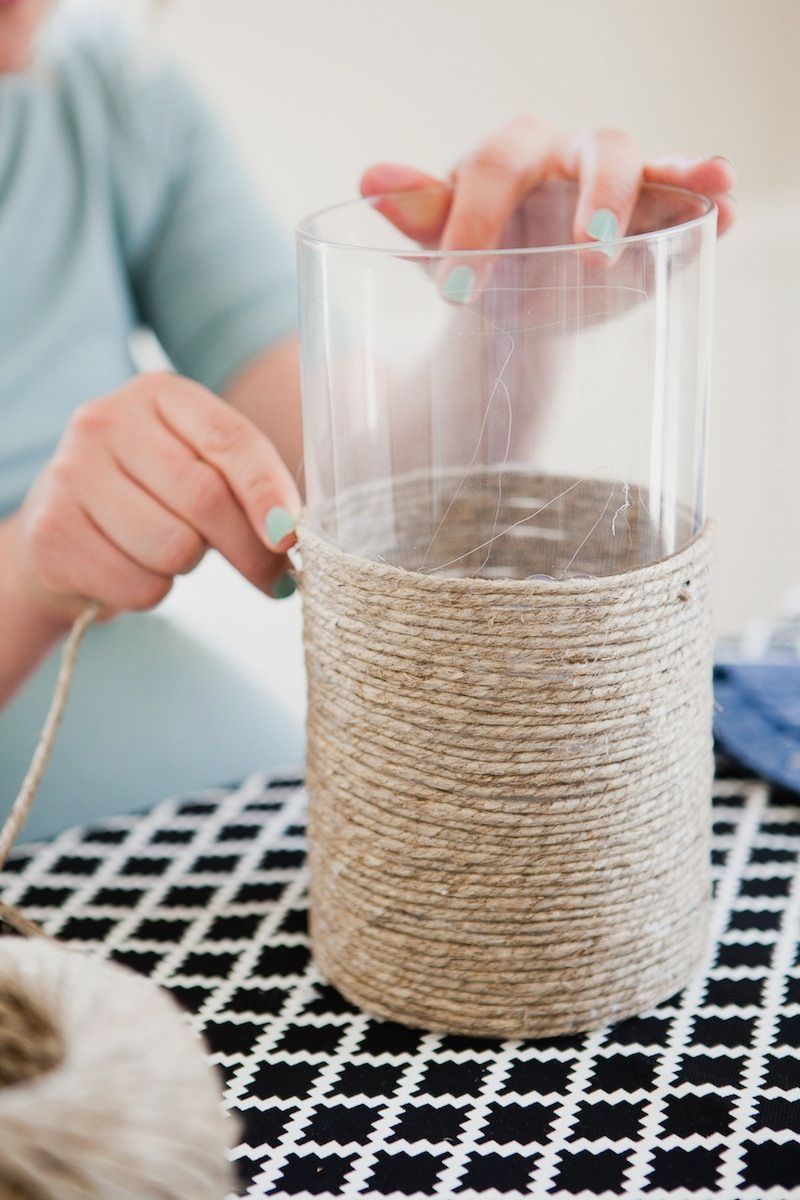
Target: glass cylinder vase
[505, 578]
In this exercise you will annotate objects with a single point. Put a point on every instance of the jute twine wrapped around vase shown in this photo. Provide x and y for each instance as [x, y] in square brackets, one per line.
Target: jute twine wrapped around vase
[509, 777]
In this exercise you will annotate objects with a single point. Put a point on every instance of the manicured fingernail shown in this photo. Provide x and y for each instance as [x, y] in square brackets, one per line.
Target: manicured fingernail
[279, 524]
[459, 285]
[283, 587]
[603, 227]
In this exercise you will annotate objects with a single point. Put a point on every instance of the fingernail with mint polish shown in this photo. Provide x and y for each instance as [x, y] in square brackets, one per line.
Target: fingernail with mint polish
[283, 587]
[459, 285]
[279, 524]
[603, 227]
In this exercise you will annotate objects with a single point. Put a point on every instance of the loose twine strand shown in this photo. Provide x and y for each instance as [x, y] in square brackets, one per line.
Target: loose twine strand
[41, 757]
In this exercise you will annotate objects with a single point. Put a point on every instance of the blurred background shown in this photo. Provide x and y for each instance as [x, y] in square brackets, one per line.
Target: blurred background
[313, 91]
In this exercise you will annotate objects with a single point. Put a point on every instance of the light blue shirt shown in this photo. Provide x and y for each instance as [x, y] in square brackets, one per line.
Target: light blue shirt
[121, 204]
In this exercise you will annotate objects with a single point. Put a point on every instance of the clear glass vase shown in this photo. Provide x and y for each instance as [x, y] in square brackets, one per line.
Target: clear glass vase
[506, 580]
[567, 397]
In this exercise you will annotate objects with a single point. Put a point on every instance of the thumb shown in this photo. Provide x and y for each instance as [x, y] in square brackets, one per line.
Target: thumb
[418, 205]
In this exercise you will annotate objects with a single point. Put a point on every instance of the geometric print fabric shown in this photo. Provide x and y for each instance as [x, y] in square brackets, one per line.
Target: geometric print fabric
[695, 1099]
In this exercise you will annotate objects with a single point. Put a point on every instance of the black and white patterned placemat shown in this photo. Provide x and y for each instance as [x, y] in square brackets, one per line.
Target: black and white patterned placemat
[697, 1098]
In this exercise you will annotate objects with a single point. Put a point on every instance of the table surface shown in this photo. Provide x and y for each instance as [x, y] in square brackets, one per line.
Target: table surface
[699, 1097]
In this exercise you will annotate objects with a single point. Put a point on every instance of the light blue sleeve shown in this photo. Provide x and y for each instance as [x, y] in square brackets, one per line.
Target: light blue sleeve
[212, 272]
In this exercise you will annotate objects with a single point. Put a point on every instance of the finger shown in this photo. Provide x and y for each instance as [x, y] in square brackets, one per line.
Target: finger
[282, 582]
[121, 583]
[249, 463]
[142, 529]
[609, 173]
[726, 213]
[708, 176]
[489, 187]
[81, 560]
[712, 177]
[394, 177]
[165, 466]
[418, 204]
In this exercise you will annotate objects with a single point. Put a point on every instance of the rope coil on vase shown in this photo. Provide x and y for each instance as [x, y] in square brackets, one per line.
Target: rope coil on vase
[509, 778]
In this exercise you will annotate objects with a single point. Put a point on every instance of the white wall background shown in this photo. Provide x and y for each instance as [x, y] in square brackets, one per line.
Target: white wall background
[314, 90]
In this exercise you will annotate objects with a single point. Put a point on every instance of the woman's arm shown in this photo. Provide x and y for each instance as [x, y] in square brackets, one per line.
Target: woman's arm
[267, 391]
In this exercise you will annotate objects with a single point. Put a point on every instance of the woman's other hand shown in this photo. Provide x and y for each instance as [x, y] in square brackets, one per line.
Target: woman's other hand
[143, 482]
[470, 209]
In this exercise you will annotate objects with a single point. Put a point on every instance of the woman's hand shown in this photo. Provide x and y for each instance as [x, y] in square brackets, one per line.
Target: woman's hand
[142, 483]
[470, 209]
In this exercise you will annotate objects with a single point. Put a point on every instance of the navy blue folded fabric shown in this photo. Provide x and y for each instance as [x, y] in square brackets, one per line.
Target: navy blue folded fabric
[757, 718]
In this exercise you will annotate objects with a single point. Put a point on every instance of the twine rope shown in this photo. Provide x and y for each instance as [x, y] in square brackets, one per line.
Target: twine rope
[99, 1063]
[509, 779]
[41, 757]
[30, 1042]
[94, 1061]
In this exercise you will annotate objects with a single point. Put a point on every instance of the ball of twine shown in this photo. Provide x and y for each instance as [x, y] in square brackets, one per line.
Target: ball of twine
[509, 778]
[104, 1093]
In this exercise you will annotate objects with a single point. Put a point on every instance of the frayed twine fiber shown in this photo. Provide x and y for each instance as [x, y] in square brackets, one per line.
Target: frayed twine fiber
[509, 778]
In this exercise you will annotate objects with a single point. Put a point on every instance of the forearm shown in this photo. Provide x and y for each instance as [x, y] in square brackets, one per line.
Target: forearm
[26, 633]
[267, 391]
